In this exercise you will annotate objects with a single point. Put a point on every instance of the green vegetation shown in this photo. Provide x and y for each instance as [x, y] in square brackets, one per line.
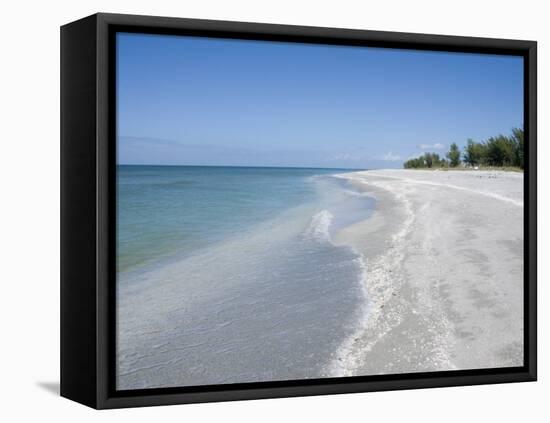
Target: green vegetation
[427, 160]
[497, 152]
[454, 155]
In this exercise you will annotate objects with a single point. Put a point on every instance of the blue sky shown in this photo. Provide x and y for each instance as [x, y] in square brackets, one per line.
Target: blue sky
[204, 101]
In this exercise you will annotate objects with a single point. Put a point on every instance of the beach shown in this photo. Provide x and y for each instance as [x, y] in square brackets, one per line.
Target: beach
[230, 275]
[444, 281]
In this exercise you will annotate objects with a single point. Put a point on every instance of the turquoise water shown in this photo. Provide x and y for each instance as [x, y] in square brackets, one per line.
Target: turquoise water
[164, 210]
[230, 275]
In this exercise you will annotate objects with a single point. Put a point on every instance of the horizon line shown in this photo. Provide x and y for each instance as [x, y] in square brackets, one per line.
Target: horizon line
[263, 167]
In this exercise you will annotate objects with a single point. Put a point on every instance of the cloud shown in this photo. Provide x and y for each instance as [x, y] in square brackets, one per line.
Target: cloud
[390, 157]
[436, 146]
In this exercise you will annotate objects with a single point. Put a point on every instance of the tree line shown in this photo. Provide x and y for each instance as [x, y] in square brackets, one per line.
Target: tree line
[499, 151]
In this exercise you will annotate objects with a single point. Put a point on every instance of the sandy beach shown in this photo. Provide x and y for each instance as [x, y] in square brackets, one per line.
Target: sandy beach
[443, 253]
[376, 272]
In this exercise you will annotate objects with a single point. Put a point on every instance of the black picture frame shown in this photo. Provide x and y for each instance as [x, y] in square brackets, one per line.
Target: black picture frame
[88, 157]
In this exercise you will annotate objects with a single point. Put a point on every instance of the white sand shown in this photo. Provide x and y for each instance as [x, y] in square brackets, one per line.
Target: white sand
[444, 272]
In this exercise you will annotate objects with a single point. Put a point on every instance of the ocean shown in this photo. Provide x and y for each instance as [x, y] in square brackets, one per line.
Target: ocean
[230, 274]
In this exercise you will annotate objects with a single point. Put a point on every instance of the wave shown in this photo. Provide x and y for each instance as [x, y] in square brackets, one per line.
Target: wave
[319, 226]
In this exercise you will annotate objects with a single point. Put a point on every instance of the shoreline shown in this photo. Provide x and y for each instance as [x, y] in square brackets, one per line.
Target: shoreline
[437, 260]
[443, 253]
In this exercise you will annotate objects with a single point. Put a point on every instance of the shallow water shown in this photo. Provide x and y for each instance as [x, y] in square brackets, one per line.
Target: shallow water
[229, 275]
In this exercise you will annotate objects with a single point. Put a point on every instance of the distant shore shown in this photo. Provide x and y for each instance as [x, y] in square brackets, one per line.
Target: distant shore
[444, 259]
[475, 169]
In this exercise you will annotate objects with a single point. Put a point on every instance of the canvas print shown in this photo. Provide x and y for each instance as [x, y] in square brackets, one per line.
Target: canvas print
[290, 211]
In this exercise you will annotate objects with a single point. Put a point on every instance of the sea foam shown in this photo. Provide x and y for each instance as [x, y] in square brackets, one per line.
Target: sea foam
[319, 226]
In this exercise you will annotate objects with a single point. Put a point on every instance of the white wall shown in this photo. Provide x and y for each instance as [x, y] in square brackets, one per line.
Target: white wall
[29, 134]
